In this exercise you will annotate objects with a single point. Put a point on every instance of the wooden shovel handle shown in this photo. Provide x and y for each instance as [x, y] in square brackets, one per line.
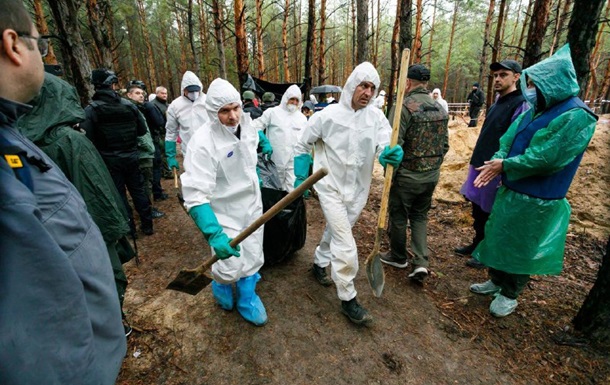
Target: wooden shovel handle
[273, 211]
[175, 178]
[389, 171]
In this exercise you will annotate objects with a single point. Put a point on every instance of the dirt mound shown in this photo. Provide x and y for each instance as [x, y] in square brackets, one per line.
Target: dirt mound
[588, 194]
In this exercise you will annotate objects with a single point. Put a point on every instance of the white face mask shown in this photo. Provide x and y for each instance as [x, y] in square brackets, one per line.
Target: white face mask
[530, 94]
[292, 107]
[232, 129]
[192, 96]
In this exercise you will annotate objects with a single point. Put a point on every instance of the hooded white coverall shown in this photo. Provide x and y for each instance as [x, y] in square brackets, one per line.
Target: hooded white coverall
[346, 142]
[440, 99]
[184, 117]
[220, 169]
[380, 101]
[283, 128]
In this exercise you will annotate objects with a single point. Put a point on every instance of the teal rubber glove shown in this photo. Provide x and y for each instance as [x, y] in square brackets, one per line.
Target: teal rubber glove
[391, 156]
[301, 170]
[170, 152]
[264, 144]
[260, 180]
[204, 217]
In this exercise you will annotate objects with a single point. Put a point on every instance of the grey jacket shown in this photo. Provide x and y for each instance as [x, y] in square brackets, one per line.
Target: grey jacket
[60, 320]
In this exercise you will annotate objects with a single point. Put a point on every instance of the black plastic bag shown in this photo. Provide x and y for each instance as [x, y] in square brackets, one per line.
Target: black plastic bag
[286, 232]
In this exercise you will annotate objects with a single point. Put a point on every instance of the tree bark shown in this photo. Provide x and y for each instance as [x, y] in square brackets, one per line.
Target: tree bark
[296, 43]
[241, 41]
[362, 53]
[416, 50]
[593, 318]
[525, 24]
[514, 34]
[43, 29]
[354, 37]
[203, 36]
[311, 24]
[377, 35]
[394, 57]
[448, 62]
[591, 91]
[74, 54]
[322, 46]
[536, 32]
[102, 47]
[406, 23]
[220, 37]
[486, 34]
[581, 36]
[191, 32]
[168, 70]
[495, 55]
[260, 57]
[285, 41]
[429, 61]
[562, 22]
[152, 72]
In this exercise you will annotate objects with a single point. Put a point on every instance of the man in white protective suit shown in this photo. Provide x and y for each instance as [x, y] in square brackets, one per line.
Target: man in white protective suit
[380, 101]
[347, 137]
[222, 195]
[284, 125]
[184, 116]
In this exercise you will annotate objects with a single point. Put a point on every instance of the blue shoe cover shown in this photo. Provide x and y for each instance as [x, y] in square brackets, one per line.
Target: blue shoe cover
[223, 295]
[502, 306]
[249, 303]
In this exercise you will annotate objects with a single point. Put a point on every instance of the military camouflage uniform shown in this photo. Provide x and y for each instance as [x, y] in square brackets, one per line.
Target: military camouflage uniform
[425, 141]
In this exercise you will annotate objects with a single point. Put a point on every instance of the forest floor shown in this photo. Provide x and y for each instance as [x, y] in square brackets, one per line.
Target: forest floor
[436, 334]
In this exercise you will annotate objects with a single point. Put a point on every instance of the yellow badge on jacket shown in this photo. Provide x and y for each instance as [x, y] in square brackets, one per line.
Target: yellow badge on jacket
[13, 161]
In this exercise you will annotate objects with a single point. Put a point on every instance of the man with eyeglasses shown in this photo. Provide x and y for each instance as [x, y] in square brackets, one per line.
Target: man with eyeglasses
[60, 310]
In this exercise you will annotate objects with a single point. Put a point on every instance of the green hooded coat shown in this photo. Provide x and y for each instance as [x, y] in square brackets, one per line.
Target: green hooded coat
[49, 125]
[526, 235]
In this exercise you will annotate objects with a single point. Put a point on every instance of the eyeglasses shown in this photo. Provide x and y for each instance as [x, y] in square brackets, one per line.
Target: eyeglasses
[42, 41]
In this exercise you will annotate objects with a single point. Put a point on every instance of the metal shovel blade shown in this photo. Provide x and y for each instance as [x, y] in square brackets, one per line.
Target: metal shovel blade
[190, 281]
[375, 275]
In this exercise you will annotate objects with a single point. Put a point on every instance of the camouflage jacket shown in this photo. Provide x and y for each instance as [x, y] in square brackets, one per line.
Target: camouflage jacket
[423, 132]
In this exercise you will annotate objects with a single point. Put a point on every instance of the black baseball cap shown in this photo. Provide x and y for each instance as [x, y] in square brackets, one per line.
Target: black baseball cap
[418, 72]
[510, 65]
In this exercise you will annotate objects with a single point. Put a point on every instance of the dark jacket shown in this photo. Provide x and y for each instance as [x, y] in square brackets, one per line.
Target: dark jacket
[254, 111]
[476, 98]
[61, 323]
[498, 119]
[49, 125]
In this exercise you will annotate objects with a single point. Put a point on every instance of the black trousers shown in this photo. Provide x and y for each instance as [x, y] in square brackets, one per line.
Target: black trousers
[474, 115]
[480, 219]
[126, 175]
[157, 190]
[512, 284]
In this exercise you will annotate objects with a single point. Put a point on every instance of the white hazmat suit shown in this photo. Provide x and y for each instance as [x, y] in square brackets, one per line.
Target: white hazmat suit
[283, 128]
[440, 99]
[184, 116]
[380, 100]
[346, 142]
[220, 169]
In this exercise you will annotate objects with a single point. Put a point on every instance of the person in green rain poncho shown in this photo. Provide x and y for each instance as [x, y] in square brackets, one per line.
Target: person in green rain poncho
[50, 126]
[538, 157]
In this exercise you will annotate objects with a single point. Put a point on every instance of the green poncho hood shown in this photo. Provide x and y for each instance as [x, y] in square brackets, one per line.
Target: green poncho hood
[555, 77]
[56, 105]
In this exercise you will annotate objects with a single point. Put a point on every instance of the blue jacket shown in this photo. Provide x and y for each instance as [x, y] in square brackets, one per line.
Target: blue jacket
[60, 320]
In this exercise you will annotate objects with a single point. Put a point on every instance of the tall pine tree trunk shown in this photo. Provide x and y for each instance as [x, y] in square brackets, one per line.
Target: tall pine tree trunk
[260, 57]
[429, 61]
[416, 51]
[495, 55]
[191, 32]
[582, 29]
[74, 53]
[285, 41]
[394, 57]
[241, 41]
[220, 37]
[362, 52]
[321, 45]
[486, 35]
[525, 24]
[448, 61]
[43, 29]
[103, 48]
[562, 21]
[536, 32]
[203, 36]
[150, 64]
[311, 24]
[591, 91]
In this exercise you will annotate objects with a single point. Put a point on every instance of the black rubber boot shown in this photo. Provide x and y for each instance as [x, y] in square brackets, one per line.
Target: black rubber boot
[355, 312]
[321, 276]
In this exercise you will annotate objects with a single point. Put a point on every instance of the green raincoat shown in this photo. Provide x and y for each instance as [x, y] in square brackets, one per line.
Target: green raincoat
[49, 125]
[526, 235]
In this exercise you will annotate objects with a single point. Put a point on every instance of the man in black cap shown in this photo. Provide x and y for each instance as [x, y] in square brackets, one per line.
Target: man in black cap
[476, 100]
[424, 139]
[509, 104]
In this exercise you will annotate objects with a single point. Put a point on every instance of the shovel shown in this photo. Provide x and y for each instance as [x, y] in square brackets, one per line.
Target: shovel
[192, 281]
[374, 268]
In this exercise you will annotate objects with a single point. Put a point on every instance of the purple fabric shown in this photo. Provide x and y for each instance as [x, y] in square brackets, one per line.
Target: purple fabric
[484, 196]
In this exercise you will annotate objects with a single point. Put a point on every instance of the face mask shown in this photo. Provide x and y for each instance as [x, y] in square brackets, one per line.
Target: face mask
[530, 95]
[192, 96]
[292, 108]
[232, 129]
